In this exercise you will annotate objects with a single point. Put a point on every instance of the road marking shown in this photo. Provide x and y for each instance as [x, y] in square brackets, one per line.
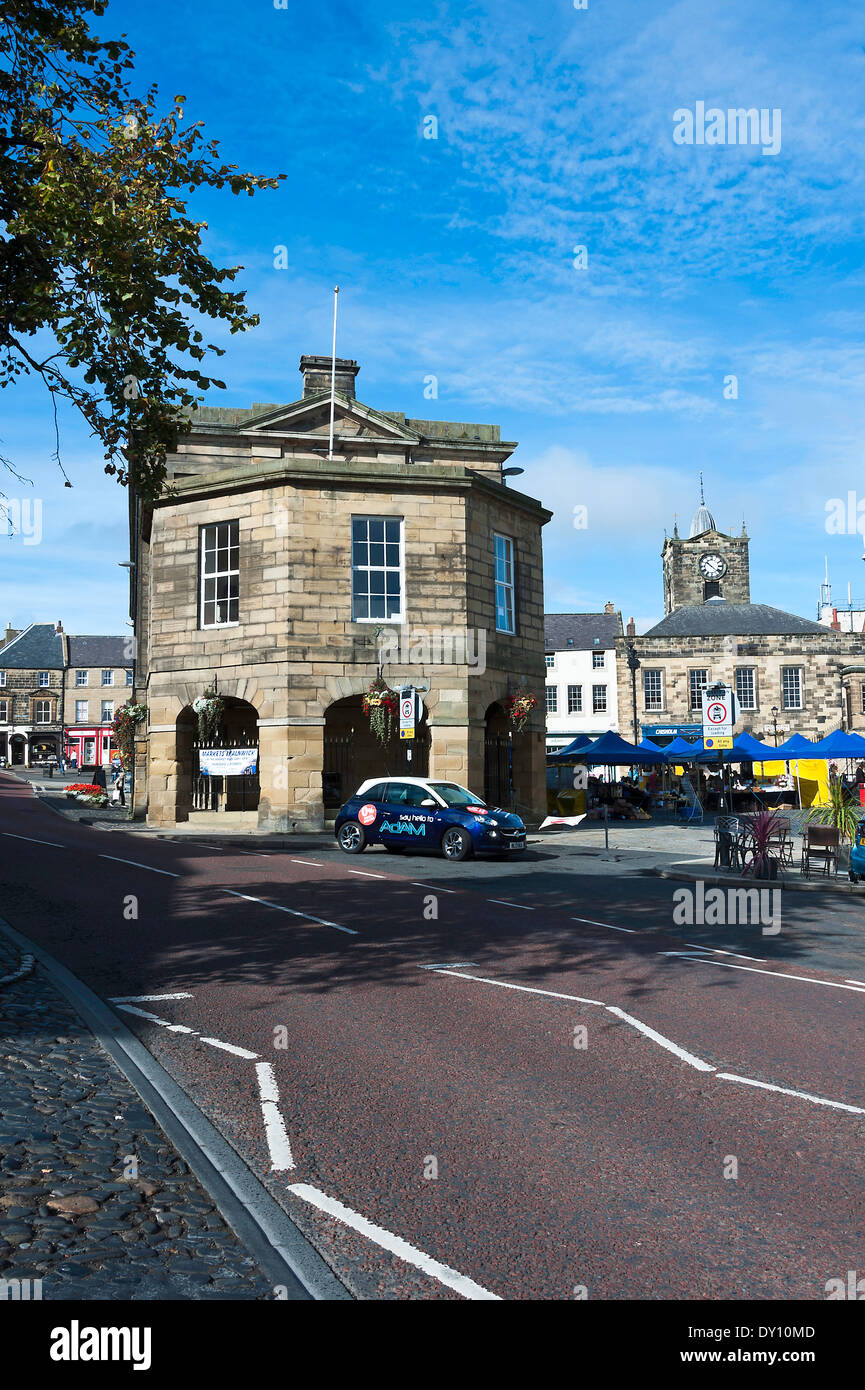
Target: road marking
[274, 1125]
[144, 998]
[395, 1245]
[717, 951]
[856, 982]
[501, 902]
[782, 975]
[524, 989]
[54, 843]
[317, 862]
[631, 930]
[784, 1091]
[152, 1018]
[229, 1047]
[660, 1039]
[449, 965]
[364, 874]
[430, 889]
[136, 865]
[307, 916]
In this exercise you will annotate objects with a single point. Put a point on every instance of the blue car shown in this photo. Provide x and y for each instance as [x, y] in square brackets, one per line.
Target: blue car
[857, 854]
[419, 814]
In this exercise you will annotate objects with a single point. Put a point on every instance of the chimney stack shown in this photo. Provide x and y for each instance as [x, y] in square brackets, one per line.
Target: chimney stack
[631, 628]
[316, 375]
[608, 607]
[59, 627]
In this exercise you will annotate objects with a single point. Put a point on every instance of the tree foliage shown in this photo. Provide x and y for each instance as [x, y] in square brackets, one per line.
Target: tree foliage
[103, 279]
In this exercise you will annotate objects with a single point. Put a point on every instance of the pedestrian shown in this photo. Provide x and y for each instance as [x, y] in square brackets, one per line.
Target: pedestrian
[120, 786]
[98, 778]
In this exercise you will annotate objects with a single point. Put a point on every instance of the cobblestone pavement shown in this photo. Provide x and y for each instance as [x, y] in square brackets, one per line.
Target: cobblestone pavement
[94, 1201]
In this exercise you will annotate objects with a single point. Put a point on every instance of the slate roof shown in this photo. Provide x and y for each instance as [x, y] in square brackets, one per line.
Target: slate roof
[565, 632]
[717, 618]
[98, 651]
[38, 648]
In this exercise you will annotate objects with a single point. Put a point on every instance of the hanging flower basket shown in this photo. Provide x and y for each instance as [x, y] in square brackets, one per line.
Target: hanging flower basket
[126, 720]
[518, 708]
[381, 706]
[208, 709]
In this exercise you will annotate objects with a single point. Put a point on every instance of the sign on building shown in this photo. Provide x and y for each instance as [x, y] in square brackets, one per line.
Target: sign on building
[720, 712]
[407, 708]
[227, 762]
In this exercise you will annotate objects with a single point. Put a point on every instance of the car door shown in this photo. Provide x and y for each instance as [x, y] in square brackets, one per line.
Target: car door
[371, 811]
[405, 820]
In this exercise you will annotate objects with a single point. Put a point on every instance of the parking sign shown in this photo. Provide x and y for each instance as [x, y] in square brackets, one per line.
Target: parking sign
[406, 712]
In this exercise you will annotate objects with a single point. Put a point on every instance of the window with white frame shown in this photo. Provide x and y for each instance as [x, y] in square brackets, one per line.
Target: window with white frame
[550, 659]
[653, 689]
[504, 569]
[791, 687]
[80, 678]
[597, 660]
[376, 568]
[220, 574]
[552, 694]
[4, 711]
[697, 680]
[42, 711]
[575, 699]
[107, 677]
[599, 699]
[44, 678]
[80, 711]
[129, 676]
[746, 689]
[107, 711]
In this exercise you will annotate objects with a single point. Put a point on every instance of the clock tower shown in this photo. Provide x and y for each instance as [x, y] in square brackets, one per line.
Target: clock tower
[709, 564]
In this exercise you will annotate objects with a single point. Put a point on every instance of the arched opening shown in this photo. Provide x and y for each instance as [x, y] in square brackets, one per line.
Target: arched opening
[352, 753]
[498, 757]
[17, 747]
[219, 774]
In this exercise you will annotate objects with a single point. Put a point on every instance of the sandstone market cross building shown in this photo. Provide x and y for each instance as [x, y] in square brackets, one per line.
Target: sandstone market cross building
[287, 581]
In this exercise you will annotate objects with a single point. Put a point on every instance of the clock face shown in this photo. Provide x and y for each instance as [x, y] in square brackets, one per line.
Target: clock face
[712, 565]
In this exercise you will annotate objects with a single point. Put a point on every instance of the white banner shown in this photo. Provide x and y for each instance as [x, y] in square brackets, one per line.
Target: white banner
[227, 762]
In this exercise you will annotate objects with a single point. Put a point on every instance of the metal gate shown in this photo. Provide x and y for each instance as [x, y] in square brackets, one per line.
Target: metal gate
[225, 793]
[498, 779]
[340, 776]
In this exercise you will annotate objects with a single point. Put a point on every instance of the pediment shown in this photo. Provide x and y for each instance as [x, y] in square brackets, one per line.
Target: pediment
[312, 417]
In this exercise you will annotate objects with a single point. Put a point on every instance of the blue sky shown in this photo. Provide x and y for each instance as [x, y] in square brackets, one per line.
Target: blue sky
[455, 258]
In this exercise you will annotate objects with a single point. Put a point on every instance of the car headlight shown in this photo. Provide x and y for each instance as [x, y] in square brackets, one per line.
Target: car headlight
[492, 833]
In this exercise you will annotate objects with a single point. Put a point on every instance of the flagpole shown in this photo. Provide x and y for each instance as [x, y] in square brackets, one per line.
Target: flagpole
[333, 370]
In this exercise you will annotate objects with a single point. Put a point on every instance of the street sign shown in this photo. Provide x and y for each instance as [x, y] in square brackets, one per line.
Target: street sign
[406, 712]
[718, 712]
[716, 741]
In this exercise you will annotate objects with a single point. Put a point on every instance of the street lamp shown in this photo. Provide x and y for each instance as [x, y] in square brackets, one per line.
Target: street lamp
[775, 723]
[633, 667]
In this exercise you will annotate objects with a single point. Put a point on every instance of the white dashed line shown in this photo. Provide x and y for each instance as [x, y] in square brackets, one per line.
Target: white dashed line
[136, 865]
[395, 1245]
[317, 862]
[152, 1018]
[631, 930]
[144, 998]
[784, 1091]
[856, 982]
[229, 1047]
[524, 989]
[661, 1040]
[364, 874]
[430, 889]
[782, 975]
[30, 840]
[274, 1125]
[501, 903]
[307, 916]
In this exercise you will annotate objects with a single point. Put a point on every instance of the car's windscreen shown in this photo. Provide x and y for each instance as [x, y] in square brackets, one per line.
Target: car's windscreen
[454, 795]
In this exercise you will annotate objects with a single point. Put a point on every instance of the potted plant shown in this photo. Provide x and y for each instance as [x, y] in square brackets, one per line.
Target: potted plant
[208, 709]
[764, 827]
[843, 814]
[381, 706]
[126, 720]
[518, 708]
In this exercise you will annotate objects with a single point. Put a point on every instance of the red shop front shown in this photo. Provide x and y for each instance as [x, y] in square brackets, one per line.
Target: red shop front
[89, 747]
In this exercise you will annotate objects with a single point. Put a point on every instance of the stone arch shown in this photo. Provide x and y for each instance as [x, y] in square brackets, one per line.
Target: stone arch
[239, 729]
[498, 756]
[352, 753]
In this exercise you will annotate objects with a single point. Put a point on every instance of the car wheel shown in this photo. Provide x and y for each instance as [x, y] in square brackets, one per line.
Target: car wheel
[351, 837]
[456, 844]
[854, 878]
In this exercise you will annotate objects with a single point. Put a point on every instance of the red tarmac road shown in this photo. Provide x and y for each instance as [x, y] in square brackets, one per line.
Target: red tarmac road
[452, 1110]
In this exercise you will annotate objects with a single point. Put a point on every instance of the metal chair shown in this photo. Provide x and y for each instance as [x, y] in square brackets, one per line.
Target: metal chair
[820, 846]
[729, 842]
[781, 842]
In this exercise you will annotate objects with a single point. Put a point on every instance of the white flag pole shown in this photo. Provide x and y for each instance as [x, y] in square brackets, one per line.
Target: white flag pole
[333, 370]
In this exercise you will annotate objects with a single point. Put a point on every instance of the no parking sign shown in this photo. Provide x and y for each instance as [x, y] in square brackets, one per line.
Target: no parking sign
[719, 715]
[406, 712]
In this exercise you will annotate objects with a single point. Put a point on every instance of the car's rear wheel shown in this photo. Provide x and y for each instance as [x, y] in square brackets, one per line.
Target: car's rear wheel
[351, 837]
[456, 843]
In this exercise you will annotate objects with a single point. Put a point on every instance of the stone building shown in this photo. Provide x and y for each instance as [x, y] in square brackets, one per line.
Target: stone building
[59, 693]
[791, 675]
[287, 580]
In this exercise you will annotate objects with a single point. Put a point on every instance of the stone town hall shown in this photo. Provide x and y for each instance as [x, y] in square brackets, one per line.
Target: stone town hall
[270, 570]
[791, 675]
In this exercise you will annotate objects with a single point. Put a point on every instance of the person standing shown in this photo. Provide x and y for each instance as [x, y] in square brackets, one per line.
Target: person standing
[120, 785]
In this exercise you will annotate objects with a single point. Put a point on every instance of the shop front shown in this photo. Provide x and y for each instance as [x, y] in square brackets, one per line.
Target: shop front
[89, 747]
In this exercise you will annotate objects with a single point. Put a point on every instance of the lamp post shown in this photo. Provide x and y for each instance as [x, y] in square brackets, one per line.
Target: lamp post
[633, 667]
[775, 723]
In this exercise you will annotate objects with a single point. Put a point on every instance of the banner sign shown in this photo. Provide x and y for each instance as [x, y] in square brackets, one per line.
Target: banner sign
[227, 762]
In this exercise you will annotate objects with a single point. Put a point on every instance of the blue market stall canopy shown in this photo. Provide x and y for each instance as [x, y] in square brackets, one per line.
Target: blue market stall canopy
[796, 746]
[680, 748]
[840, 745]
[610, 750]
[651, 747]
[580, 742]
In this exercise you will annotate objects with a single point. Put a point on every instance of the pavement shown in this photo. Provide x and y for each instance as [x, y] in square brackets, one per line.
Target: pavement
[488, 1080]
